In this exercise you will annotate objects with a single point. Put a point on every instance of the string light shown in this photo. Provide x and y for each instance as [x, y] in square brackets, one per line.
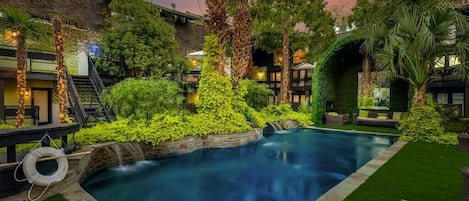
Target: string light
[11, 36]
[60, 70]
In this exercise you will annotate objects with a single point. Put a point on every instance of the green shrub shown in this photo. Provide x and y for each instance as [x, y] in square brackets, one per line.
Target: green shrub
[448, 113]
[6, 126]
[142, 98]
[216, 97]
[446, 138]
[424, 124]
[252, 116]
[256, 95]
[162, 127]
[455, 126]
[284, 112]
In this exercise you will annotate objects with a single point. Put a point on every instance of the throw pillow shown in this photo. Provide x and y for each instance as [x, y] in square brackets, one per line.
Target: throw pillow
[363, 113]
[396, 116]
[382, 117]
[333, 114]
[380, 114]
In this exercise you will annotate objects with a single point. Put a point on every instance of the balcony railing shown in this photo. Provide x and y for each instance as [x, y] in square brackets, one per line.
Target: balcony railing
[34, 65]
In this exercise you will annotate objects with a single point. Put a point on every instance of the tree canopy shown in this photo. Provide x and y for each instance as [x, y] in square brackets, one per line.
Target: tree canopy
[275, 27]
[310, 24]
[418, 39]
[138, 42]
[364, 13]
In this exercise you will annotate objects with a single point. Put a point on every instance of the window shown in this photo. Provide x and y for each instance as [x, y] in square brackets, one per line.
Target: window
[458, 98]
[309, 74]
[275, 76]
[296, 98]
[442, 98]
[302, 74]
[447, 61]
[295, 74]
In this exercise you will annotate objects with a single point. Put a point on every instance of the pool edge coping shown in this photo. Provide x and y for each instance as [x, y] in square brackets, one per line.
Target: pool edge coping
[356, 179]
[353, 131]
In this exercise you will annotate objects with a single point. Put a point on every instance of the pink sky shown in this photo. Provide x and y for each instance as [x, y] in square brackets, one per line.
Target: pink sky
[343, 7]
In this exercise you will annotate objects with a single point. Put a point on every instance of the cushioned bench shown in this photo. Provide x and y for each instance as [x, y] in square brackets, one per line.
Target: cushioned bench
[378, 118]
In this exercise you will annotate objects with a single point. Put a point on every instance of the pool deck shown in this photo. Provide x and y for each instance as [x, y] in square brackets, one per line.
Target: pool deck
[351, 183]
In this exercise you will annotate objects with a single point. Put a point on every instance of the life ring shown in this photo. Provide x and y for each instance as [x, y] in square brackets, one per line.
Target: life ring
[31, 173]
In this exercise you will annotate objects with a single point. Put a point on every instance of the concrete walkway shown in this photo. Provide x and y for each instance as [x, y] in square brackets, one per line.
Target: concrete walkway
[347, 186]
[76, 193]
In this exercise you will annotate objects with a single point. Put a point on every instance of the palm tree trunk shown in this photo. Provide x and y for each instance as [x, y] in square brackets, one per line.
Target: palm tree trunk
[283, 96]
[419, 96]
[217, 23]
[21, 57]
[242, 36]
[60, 70]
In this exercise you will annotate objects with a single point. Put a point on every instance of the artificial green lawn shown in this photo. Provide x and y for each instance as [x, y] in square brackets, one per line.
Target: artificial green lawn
[57, 197]
[363, 128]
[420, 171]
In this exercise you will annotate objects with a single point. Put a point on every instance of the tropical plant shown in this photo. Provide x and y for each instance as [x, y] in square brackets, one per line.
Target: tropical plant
[275, 19]
[144, 97]
[138, 42]
[21, 27]
[417, 40]
[216, 23]
[304, 107]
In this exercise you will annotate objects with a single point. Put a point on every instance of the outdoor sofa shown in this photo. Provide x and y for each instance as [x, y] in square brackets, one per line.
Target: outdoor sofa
[378, 118]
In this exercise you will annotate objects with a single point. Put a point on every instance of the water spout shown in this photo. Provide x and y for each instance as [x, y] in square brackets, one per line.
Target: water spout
[277, 126]
[119, 150]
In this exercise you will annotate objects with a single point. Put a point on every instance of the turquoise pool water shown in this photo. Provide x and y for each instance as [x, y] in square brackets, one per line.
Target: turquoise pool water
[299, 164]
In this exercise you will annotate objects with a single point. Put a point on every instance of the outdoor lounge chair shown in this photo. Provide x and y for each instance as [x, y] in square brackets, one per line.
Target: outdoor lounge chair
[333, 118]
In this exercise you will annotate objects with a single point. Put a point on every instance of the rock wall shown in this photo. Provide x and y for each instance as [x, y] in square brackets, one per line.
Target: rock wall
[100, 158]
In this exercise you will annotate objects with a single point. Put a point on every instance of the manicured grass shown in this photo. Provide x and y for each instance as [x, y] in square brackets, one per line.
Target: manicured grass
[58, 197]
[363, 128]
[420, 171]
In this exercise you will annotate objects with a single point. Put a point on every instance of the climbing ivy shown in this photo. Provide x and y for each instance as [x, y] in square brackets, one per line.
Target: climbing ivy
[323, 85]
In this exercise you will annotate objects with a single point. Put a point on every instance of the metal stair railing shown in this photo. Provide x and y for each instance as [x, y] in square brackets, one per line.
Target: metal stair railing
[99, 85]
[75, 103]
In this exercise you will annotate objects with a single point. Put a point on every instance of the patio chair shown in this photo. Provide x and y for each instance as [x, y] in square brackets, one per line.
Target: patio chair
[333, 118]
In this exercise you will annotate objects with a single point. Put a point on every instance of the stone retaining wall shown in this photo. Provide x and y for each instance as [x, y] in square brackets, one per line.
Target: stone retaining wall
[100, 158]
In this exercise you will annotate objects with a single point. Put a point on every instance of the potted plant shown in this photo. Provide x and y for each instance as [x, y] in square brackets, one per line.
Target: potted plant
[463, 138]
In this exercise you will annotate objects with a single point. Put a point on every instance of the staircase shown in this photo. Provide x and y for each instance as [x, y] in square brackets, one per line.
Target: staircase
[85, 103]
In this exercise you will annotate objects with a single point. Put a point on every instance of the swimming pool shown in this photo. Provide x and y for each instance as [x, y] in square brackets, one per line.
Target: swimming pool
[299, 164]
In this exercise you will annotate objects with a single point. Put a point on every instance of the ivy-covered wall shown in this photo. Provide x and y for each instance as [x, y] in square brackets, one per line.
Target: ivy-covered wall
[349, 64]
[399, 96]
[335, 77]
[85, 14]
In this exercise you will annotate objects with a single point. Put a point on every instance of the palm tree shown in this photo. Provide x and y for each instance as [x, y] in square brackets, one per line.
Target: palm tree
[22, 27]
[242, 38]
[417, 40]
[61, 69]
[217, 24]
